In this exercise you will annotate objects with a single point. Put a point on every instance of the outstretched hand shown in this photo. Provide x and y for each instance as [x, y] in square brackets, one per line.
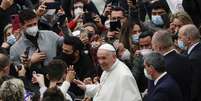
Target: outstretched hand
[80, 84]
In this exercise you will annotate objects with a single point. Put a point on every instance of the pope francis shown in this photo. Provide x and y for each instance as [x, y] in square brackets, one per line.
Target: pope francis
[116, 82]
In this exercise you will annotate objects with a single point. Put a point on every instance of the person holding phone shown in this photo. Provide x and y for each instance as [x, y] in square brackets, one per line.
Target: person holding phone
[50, 12]
[43, 43]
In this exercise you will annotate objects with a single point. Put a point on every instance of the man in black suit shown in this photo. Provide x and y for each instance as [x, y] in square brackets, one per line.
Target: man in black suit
[165, 88]
[189, 39]
[177, 65]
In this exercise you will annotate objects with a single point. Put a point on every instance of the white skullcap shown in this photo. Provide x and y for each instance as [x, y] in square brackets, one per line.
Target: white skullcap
[107, 47]
[76, 33]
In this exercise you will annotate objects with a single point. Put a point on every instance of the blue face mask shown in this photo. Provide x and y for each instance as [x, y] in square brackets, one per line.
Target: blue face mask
[11, 39]
[157, 20]
[135, 38]
[181, 44]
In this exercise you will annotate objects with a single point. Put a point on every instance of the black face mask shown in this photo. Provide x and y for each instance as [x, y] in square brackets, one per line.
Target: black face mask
[68, 58]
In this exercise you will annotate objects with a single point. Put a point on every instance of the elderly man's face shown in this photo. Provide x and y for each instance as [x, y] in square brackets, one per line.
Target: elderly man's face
[105, 59]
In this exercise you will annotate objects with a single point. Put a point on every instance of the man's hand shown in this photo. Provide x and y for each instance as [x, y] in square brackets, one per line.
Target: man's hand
[38, 78]
[21, 71]
[80, 84]
[87, 80]
[5, 4]
[107, 10]
[38, 57]
[70, 74]
[5, 45]
[41, 9]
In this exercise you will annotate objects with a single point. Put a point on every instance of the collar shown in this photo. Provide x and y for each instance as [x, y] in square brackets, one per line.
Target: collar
[162, 75]
[113, 66]
[191, 48]
[166, 53]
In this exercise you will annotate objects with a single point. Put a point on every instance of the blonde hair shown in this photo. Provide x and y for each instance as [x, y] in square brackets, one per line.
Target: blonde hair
[12, 90]
[183, 17]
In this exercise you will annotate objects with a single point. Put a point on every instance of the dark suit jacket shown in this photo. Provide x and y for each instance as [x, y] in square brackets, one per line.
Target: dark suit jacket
[195, 59]
[179, 68]
[166, 89]
[193, 8]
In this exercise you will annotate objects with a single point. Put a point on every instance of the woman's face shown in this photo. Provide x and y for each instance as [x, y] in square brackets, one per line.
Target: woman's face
[176, 24]
[136, 29]
[8, 32]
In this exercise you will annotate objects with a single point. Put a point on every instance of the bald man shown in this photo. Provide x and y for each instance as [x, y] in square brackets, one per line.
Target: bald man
[117, 82]
[189, 40]
[176, 65]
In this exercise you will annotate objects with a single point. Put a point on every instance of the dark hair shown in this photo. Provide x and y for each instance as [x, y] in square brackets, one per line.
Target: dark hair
[75, 42]
[145, 34]
[116, 8]
[156, 60]
[160, 5]
[56, 69]
[4, 61]
[27, 14]
[53, 94]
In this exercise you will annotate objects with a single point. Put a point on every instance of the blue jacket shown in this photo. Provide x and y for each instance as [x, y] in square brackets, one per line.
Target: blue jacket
[166, 89]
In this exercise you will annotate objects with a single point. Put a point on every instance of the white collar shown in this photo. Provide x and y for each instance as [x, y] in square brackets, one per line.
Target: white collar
[191, 48]
[162, 75]
[113, 66]
[166, 53]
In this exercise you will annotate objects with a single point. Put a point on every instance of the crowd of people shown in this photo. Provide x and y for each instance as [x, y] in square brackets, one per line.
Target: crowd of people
[72, 50]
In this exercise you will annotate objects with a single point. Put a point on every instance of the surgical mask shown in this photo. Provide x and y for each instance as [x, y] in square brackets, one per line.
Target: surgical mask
[157, 20]
[11, 39]
[32, 30]
[125, 55]
[147, 75]
[78, 11]
[135, 38]
[107, 24]
[50, 12]
[181, 44]
[144, 52]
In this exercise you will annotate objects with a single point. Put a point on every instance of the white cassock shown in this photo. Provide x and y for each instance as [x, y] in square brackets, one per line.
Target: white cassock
[117, 84]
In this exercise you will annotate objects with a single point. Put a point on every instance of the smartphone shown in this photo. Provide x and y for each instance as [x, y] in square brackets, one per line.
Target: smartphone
[53, 5]
[115, 25]
[15, 20]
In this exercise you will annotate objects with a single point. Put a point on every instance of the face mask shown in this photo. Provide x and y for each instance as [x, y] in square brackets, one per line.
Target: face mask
[50, 12]
[157, 20]
[107, 24]
[68, 58]
[11, 39]
[181, 44]
[147, 75]
[144, 52]
[135, 38]
[126, 55]
[32, 30]
[78, 11]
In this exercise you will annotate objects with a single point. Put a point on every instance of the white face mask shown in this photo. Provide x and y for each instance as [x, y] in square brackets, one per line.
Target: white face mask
[107, 24]
[144, 52]
[32, 30]
[78, 11]
[126, 55]
[147, 75]
[51, 12]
